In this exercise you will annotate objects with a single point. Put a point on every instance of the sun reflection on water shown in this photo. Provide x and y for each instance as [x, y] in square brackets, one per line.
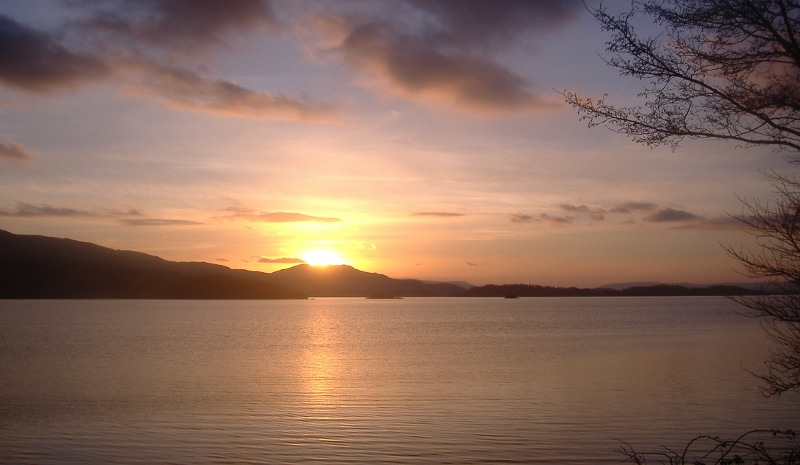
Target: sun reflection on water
[320, 364]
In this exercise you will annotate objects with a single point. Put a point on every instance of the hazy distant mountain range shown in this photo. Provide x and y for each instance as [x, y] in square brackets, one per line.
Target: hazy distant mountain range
[45, 267]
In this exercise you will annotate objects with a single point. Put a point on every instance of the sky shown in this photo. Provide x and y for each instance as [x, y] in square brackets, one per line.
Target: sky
[414, 138]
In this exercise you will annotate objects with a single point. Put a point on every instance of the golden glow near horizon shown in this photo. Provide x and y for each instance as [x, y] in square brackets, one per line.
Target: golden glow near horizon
[322, 257]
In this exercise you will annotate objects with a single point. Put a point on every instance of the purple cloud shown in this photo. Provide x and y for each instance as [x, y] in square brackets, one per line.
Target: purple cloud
[478, 23]
[413, 66]
[186, 25]
[35, 61]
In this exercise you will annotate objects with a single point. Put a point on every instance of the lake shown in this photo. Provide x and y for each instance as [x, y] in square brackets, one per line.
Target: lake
[412, 381]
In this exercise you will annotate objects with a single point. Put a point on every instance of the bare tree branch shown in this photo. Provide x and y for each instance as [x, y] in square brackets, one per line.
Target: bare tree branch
[722, 69]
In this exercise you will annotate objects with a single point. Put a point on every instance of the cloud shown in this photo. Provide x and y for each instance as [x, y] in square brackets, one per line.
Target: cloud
[187, 90]
[27, 210]
[630, 207]
[273, 217]
[555, 220]
[521, 218]
[594, 213]
[687, 220]
[280, 260]
[121, 39]
[15, 153]
[446, 51]
[416, 67]
[158, 222]
[185, 25]
[676, 219]
[439, 214]
[36, 62]
[478, 23]
[670, 215]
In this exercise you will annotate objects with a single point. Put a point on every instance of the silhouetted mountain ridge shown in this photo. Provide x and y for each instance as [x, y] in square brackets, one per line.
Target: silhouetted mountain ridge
[47, 267]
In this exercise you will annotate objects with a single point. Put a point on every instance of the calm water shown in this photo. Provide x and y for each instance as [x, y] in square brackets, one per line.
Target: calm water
[439, 380]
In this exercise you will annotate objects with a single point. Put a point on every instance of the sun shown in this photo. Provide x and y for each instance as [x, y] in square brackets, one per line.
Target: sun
[320, 257]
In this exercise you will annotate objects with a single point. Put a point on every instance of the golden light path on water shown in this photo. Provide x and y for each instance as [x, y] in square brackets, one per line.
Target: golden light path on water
[320, 364]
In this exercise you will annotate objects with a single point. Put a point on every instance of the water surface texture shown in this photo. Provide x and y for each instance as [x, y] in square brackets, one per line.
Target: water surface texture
[417, 381]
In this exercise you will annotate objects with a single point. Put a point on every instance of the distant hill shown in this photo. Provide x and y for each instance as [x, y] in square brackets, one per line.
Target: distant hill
[530, 290]
[46, 267]
[623, 286]
[346, 281]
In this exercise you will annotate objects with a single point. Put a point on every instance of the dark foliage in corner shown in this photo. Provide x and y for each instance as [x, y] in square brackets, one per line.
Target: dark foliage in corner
[767, 447]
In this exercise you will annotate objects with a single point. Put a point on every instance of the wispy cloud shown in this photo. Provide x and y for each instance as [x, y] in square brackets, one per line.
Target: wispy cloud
[158, 222]
[10, 151]
[273, 217]
[438, 214]
[669, 215]
[647, 212]
[521, 218]
[185, 89]
[595, 213]
[542, 217]
[281, 260]
[27, 210]
[630, 207]
[681, 219]
[555, 220]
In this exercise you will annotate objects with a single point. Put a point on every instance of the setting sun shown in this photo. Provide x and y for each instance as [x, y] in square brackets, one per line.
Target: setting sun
[322, 258]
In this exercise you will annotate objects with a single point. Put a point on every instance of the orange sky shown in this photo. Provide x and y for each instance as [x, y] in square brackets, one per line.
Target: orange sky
[415, 139]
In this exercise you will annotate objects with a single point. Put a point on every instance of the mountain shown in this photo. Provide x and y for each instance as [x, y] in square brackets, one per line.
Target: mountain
[346, 281]
[47, 267]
